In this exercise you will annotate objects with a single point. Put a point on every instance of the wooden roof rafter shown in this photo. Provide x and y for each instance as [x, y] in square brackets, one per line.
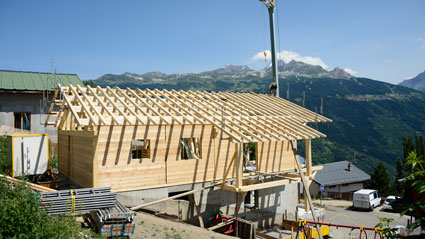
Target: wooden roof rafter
[246, 131]
[104, 107]
[174, 94]
[113, 104]
[248, 117]
[126, 106]
[92, 106]
[149, 98]
[145, 104]
[231, 117]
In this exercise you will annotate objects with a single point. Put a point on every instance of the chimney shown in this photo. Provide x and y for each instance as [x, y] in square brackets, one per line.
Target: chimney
[349, 167]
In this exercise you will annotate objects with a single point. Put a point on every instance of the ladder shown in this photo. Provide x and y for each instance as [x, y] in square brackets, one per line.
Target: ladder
[56, 101]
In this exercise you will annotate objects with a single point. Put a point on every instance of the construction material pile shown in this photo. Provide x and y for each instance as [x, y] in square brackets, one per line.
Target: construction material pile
[109, 222]
[103, 212]
[77, 200]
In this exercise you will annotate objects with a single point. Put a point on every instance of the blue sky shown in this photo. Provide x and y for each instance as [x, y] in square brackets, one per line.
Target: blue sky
[382, 40]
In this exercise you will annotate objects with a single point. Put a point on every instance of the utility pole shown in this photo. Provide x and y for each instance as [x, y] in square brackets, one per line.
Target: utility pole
[270, 6]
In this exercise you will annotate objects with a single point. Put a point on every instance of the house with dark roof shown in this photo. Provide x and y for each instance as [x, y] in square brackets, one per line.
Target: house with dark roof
[339, 180]
[25, 99]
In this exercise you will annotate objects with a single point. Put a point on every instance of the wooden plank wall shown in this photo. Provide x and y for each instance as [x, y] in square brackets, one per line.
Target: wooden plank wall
[76, 158]
[117, 169]
[274, 156]
[110, 153]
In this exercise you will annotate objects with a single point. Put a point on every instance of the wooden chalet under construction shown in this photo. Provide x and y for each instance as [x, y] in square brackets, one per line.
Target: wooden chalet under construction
[137, 139]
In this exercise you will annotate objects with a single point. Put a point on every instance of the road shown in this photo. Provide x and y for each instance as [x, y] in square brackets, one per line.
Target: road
[347, 216]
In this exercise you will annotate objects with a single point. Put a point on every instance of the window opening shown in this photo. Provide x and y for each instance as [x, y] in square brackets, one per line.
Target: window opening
[249, 156]
[251, 200]
[22, 120]
[186, 197]
[190, 148]
[140, 148]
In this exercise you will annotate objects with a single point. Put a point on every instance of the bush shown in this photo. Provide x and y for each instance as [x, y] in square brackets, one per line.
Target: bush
[3, 153]
[20, 216]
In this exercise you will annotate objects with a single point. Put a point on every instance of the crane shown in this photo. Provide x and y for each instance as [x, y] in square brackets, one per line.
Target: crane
[270, 4]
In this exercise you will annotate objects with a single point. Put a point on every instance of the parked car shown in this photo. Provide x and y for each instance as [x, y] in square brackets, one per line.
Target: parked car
[387, 203]
[366, 199]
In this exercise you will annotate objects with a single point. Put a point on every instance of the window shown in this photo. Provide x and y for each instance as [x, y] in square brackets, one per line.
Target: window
[22, 120]
[190, 148]
[140, 148]
[345, 184]
[251, 200]
[333, 186]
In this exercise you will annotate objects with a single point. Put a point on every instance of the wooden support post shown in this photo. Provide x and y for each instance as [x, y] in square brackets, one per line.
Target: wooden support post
[198, 209]
[239, 174]
[309, 171]
[307, 193]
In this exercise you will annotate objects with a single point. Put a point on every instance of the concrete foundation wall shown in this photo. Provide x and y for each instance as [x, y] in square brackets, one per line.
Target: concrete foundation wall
[275, 204]
[25, 102]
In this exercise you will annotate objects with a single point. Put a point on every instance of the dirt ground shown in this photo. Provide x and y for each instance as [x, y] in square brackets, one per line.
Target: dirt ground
[334, 203]
[149, 226]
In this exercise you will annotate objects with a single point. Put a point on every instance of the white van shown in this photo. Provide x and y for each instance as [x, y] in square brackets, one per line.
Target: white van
[366, 199]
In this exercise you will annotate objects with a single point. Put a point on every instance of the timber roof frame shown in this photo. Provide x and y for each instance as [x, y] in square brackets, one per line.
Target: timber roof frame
[244, 117]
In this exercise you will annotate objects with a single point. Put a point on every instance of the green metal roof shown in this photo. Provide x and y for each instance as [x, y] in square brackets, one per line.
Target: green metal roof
[37, 81]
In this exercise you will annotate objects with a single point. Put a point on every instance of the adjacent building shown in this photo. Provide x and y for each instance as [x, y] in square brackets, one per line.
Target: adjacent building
[339, 180]
[25, 99]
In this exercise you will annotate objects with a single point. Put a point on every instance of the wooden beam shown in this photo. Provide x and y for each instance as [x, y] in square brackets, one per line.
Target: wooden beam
[103, 105]
[238, 148]
[174, 197]
[306, 190]
[99, 115]
[271, 184]
[222, 224]
[140, 99]
[158, 105]
[198, 210]
[105, 95]
[124, 104]
[31, 185]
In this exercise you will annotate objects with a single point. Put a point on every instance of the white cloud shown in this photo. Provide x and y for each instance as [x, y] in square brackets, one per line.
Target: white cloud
[288, 56]
[420, 39]
[423, 46]
[350, 71]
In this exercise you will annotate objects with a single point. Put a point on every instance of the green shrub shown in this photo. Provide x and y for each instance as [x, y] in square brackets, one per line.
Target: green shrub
[3, 153]
[20, 216]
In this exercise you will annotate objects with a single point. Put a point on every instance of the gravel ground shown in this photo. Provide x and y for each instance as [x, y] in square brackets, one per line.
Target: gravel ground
[149, 226]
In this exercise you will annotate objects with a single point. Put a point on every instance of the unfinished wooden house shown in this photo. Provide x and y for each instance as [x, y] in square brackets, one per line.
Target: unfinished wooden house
[137, 139]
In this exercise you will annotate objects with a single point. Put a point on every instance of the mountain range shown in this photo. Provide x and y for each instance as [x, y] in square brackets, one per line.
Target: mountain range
[417, 83]
[370, 117]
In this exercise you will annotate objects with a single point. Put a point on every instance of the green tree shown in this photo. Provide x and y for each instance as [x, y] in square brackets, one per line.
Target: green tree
[416, 178]
[89, 83]
[380, 180]
[3, 154]
[21, 217]
[400, 174]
